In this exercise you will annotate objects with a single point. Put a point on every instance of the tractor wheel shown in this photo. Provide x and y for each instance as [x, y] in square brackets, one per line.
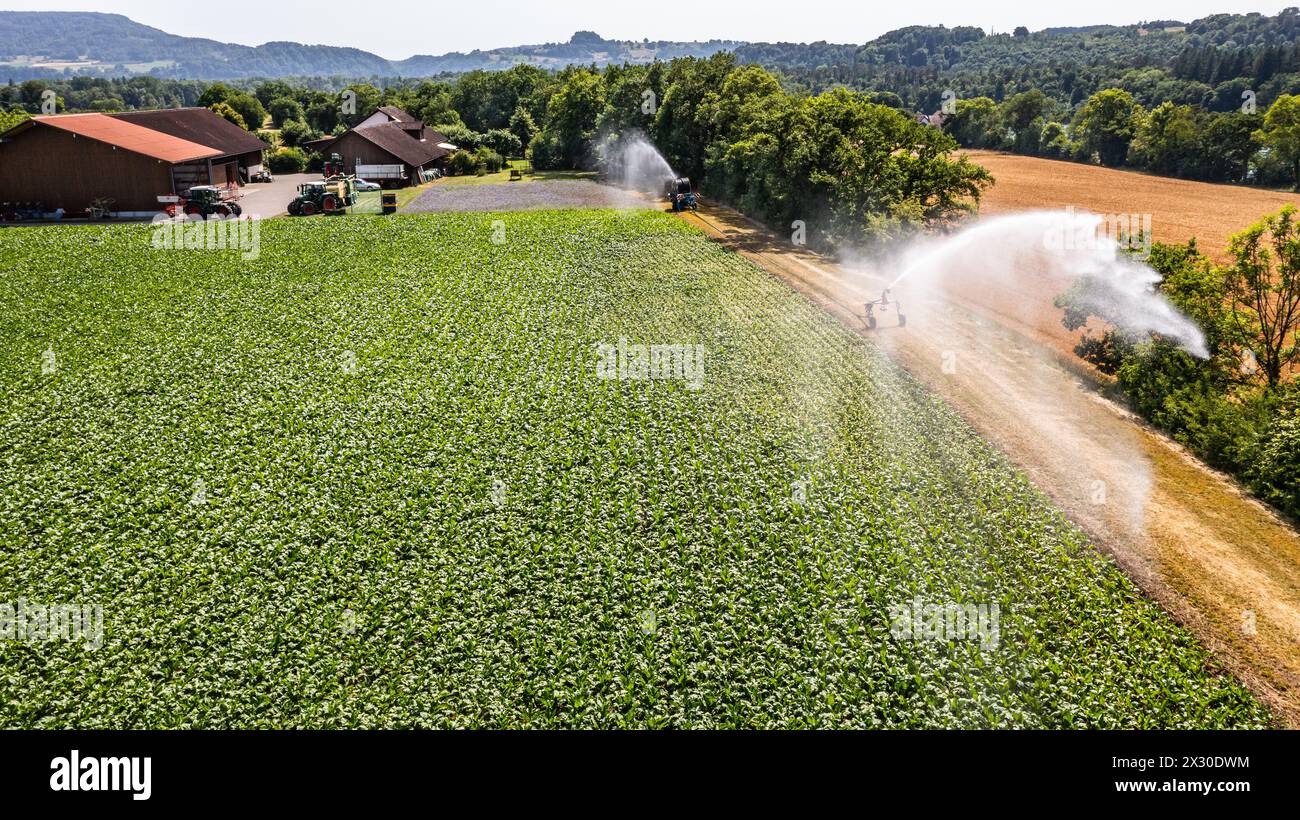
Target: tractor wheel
[308, 208]
[294, 209]
[330, 204]
[236, 209]
[902, 320]
[221, 211]
[871, 322]
[193, 210]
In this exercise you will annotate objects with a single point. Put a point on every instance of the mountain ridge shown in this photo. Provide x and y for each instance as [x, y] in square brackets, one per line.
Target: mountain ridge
[37, 44]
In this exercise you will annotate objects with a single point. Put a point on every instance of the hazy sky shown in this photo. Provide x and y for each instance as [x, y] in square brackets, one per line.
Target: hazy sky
[399, 28]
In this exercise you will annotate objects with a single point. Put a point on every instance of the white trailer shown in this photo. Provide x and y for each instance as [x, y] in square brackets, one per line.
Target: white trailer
[375, 173]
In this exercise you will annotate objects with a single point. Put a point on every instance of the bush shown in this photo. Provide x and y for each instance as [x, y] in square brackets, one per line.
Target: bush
[462, 163]
[545, 152]
[460, 136]
[481, 161]
[1276, 476]
[295, 132]
[287, 161]
[490, 161]
[503, 142]
[228, 114]
[285, 110]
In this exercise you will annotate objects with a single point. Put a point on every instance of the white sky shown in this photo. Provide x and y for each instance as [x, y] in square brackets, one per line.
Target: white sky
[396, 29]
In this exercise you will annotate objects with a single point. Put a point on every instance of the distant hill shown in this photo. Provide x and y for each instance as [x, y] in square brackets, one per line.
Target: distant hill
[42, 44]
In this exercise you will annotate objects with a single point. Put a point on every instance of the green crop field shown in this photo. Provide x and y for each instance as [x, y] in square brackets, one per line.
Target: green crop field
[373, 478]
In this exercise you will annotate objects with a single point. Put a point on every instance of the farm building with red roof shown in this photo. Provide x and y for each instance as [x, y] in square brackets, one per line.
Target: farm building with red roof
[126, 160]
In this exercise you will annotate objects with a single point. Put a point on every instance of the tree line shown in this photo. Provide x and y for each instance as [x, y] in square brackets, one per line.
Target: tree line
[1239, 410]
[1248, 145]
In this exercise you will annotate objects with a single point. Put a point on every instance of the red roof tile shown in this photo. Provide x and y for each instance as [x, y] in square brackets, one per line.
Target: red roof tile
[129, 136]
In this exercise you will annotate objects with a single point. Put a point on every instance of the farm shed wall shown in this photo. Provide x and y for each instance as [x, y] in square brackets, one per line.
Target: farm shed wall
[356, 150]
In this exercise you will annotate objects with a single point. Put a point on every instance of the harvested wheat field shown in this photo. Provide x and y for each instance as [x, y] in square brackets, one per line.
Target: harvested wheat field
[1180, 209]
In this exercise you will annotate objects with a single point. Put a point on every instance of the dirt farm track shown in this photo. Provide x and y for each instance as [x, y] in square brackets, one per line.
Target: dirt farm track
[1180, 209]
[1214, 557]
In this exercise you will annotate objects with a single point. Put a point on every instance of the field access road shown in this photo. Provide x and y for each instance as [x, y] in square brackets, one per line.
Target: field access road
[1223, 564]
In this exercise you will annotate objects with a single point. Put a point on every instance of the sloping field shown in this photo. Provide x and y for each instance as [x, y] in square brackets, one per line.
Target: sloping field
[1180, 209]
[309, 492]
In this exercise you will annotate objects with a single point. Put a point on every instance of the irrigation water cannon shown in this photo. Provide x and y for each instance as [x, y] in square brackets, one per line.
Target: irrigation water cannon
[883, 306]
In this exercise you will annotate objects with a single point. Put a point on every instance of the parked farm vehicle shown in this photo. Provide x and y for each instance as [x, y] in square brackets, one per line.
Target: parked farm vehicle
[204, 201]
[333, 167]
[883, 306]
[329, 196]
[680, 194]
[262, 176]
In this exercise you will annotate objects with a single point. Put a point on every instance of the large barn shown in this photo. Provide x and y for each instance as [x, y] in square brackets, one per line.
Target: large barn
[70, 161]
[389, 147]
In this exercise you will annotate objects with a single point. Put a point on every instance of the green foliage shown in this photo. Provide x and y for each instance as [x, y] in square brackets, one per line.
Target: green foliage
[9, 119]
[1263, 285]
[459, 135]
[571, 115]
[430, 102]
[1216, 407]
[853, 171]
[481, 160]
[503, 142]
[1276, 476]
[1281, 133]
[1104, 125]
[229, 114]
[287, 161]
[522, 126]
[974, 123]
[283, 110]
[295, 132]
[429, 510]
[358, 101]
[248, 107]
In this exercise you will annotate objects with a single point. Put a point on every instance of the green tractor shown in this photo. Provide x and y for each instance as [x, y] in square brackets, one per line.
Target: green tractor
[328, 196]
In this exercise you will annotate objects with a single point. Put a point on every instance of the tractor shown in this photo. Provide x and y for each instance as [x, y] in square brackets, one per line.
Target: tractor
[330, 196]
[881, 306]
[205, 201]
[680, 195]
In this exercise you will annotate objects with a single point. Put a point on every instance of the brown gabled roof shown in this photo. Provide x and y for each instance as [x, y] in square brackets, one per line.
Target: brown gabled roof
[128, 136]
[197, 125]
[391, 137]
[318, 144]
[396, 113]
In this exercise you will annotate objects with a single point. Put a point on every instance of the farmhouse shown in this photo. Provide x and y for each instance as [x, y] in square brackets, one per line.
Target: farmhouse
[70, 161]
[389, 147]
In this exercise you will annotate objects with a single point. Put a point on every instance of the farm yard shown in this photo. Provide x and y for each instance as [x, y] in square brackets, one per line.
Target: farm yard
[310, 493]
